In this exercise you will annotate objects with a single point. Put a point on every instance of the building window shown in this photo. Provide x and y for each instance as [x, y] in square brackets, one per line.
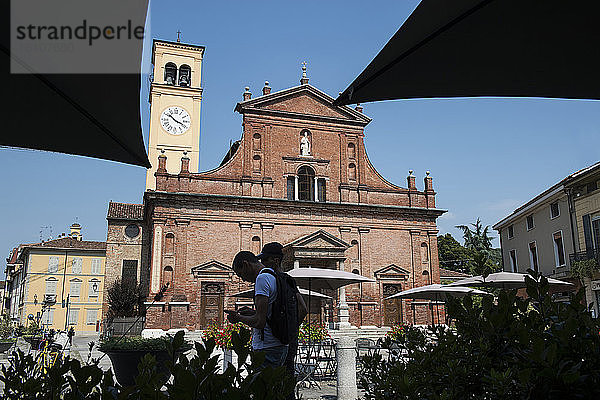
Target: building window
[511, 232]
[73, 316]
[513, 261]
[77, 265]
[559, 250]
[51, 285]
[424, 253]
[185, 75]
[592, 186]
[168, 276]
[96, 266]
[351, 151]
[94, 289]
[352, 172]
[256, 142]
[91, 317]
[306, 185]
[291, 187]
[132, 231]
[554, 210]
[256, 163]
[170, 73]
[533, 257]
[129, 273]
[322, 190]
[530, 224]
[169, 243]
[255, 245]
[75, 287]
[53, 264]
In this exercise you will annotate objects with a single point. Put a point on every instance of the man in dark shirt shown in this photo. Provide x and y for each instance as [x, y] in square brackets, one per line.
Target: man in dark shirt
[271, 256]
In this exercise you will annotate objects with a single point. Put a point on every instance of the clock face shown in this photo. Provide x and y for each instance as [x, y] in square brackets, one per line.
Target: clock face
[175, 120]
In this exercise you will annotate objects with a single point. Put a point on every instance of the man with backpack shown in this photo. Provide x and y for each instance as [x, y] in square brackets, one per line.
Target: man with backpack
[271, 256]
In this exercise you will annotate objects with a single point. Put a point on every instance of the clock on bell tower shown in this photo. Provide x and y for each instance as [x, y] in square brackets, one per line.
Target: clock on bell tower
[175, 96]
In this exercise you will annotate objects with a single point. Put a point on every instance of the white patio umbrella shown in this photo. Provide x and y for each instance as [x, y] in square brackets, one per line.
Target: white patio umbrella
[249, 294]
[324, 278]
[504, 280]
[436, 292]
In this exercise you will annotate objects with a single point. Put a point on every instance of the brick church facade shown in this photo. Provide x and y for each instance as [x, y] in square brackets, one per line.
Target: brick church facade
[299, 175]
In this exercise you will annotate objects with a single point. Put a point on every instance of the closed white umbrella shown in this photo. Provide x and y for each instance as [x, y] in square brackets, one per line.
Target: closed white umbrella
[436, 292]
[504, 280]
[249, 294]
[324, 278]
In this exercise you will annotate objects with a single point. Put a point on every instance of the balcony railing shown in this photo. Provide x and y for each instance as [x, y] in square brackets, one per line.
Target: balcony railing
[585, 255]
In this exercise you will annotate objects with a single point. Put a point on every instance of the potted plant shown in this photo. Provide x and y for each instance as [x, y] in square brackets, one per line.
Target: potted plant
[6, 335]
[32, 335]
[314, 332]
[222, 335]
[125, 354]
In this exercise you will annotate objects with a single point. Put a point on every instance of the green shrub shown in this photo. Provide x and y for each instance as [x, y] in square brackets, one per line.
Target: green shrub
[517, 348]
[196, 378]
[584, 269]
[223, 334]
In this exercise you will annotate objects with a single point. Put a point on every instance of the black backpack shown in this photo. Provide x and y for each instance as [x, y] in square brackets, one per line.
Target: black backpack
[284, 310]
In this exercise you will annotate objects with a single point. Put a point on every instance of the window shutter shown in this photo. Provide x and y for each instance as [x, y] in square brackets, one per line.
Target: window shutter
[96, 266]
[91, 317]
[73, 316]
[77, 264]
[53, 264]
[587, 233]
[75, 289]
[51, 286]
[290, 187]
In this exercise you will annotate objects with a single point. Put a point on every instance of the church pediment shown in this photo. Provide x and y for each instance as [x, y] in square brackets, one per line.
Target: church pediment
[392, 271]
[212, 268]
[302, 100]
[319, 240]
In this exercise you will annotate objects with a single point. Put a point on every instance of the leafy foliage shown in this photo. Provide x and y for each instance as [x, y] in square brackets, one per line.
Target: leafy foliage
[452, 255]
[315, 332]
[397, 332]
[134, 343]
[477, 239]
[584, 268]
[194, 378]
[125, 299]
[6, 329]
[519, 348]
[223, 334]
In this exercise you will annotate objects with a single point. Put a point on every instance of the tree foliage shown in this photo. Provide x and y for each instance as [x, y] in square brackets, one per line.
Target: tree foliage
[125, 299]
[531, 348]
[452, 255]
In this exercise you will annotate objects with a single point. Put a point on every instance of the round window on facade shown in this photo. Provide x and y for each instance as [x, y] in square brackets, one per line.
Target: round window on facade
[132, 231]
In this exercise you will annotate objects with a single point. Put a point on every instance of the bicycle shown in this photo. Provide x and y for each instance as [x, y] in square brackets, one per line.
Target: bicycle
[49, 353]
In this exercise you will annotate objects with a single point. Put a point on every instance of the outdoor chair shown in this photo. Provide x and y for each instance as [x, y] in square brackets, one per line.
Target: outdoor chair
[306, 366]
[326, 359]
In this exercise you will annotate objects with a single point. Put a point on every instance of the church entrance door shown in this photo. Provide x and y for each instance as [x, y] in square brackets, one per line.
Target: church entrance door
[392, 308]
[211, 303]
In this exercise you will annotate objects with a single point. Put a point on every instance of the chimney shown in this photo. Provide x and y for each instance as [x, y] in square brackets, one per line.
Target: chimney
[266, 89]
[185, 164]
[247, 94]
[75, 231]
[411, 181]
[359, 108]
[304, 79]
[428, 183]
[162, 162]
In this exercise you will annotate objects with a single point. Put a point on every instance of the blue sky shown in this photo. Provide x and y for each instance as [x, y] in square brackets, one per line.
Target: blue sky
[486, 156]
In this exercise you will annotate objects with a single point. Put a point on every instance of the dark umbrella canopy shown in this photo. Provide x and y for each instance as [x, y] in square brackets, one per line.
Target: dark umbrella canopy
[467, 48]
[94, 115]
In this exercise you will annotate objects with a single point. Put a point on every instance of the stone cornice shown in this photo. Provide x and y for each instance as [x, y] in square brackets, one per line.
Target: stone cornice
[299, 116]
[342, 208]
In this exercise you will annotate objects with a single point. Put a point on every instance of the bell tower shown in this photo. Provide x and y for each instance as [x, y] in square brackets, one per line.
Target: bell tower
[175, 96]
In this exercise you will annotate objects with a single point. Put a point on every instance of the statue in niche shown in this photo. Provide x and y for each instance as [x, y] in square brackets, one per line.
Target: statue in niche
[305, 145]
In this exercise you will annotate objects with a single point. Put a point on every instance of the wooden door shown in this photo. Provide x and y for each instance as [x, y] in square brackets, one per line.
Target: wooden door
[212, 297]
[392, 309]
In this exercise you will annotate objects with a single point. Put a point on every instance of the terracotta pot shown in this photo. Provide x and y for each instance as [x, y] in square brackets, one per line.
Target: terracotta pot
[125, 363]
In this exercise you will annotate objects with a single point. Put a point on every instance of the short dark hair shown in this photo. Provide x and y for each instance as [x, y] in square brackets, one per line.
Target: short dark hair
[243, 256]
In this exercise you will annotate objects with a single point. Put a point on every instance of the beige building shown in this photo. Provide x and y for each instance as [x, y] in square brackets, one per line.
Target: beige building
[555, 228]
[59, 283]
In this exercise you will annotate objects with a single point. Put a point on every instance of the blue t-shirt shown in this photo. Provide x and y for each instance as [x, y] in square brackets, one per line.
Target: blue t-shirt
[265, 285]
